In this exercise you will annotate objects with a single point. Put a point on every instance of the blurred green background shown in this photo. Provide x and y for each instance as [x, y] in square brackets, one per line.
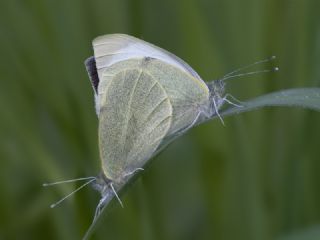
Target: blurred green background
[256, 178]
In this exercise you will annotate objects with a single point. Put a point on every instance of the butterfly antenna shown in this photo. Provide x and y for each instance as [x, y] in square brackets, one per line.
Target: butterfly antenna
[67, 181]
[275, 69]
[228, 75]
[73, 192]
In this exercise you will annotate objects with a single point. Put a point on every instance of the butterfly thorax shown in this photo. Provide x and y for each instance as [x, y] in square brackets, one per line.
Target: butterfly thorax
[101, 184]
[216, 97]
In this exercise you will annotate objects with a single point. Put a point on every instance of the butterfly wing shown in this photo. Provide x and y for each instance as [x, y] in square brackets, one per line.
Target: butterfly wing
[112, 48]
[135, 116]
[187, 94]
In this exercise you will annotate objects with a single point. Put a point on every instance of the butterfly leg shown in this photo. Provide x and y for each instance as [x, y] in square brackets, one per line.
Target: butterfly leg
[225, 98]
[133, 172]
[217, 111]
[193, 123]
[115, 193]
[182, 131]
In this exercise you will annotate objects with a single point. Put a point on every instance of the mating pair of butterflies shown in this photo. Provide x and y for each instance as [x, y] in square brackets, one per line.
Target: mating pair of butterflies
[143, 95]
[144, 98]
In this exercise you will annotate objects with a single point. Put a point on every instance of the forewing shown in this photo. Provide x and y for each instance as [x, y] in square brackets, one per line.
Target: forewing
[134, 118]
[113, 48]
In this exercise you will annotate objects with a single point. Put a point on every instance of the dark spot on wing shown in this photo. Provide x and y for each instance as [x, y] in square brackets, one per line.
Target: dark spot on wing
[91, 67]
[148, 59]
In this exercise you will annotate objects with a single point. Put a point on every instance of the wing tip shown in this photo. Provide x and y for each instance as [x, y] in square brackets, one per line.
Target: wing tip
[107, 37]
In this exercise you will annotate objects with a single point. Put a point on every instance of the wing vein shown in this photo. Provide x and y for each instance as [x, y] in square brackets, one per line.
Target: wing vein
[128, 109]
[153, 110]
[138, 146]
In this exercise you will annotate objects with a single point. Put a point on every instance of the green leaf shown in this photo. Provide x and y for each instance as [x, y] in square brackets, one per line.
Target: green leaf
[299, 97]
